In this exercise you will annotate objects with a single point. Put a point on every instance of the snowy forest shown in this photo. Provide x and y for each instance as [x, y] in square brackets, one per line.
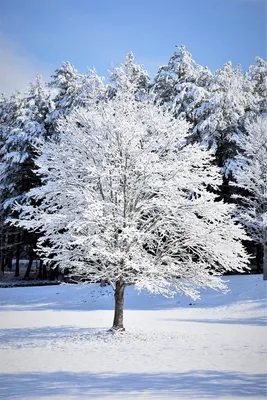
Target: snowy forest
[137, 180]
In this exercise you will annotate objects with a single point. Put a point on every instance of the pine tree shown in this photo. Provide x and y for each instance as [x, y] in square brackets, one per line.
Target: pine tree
[74, 90]
[258, 77]
[182, 85]
[3, 127]
[129, 76]
[11, 115]
[67, 83]
[222, 116]
[24, 126]
[251, 177]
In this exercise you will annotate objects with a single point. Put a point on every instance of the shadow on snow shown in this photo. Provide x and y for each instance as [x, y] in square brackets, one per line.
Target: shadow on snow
[193, 384]
[35, 337]
[245, 289]
[253, 321]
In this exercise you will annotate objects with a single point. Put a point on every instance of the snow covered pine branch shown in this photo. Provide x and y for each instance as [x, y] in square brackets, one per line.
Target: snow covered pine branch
[123, 200]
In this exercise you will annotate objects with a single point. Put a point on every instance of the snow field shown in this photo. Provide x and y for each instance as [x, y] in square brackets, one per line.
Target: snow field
[54, 344]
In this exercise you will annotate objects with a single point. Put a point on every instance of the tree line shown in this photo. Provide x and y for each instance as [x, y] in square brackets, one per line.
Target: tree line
[216, 149]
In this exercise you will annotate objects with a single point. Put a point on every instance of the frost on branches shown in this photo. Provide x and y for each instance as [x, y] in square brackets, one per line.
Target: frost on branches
[123, 201]
[251, 176]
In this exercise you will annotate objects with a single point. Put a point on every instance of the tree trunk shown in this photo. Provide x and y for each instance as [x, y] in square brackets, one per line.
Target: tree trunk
[259, 251]
[44, 271]
[119, 301]
[9, 261]
[9, 251]
[29, 266]
[265, 260]
[40, 270]
[2, 252]
[17, 255]
[3, 264]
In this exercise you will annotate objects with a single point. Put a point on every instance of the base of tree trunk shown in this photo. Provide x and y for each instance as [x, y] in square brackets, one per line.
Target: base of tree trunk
[116, 330]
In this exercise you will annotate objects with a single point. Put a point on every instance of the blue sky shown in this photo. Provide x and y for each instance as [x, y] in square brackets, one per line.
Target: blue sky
[36, 36]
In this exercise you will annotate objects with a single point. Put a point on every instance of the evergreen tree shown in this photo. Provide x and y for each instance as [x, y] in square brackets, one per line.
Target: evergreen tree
[24, 126]
[129, 76]
[222, 116]
[67, 83]
[182, 85]
[258, 77]
[251, 177]
[3, 127]
[74, 90]
[11, 116]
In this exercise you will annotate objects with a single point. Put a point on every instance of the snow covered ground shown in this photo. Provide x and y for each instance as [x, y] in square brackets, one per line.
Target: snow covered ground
[54, 344]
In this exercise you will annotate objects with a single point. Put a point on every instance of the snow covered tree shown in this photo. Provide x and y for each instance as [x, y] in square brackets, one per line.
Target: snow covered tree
[23, 125]
[129, 76]
[3, 116]
[257, 75]
[67, 82]
[224, 107]
[221, 117]
[74, 90]
[180, 66]
[182, 85]
[251, 176]
[124, 201]
[10, 115]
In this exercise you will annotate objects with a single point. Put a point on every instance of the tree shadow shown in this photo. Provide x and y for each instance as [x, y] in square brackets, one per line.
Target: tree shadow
[254, 321]
[192, 384]
[36, 337]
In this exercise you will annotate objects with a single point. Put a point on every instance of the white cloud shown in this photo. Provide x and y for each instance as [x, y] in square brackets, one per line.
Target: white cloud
[17, 68]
